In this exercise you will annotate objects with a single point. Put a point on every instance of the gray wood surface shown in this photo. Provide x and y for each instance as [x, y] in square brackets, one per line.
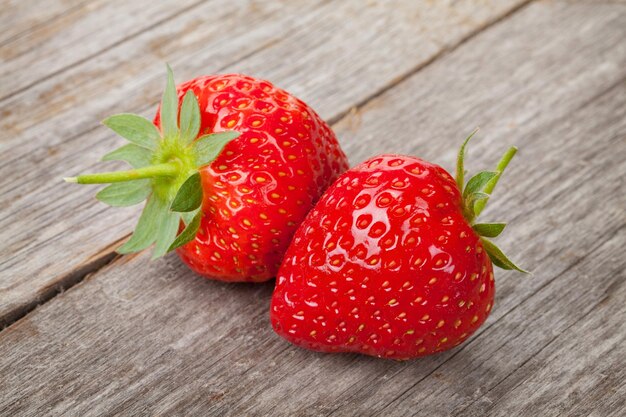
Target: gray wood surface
[333, 55]
[75, 35]
[151, 338]
[20, 17]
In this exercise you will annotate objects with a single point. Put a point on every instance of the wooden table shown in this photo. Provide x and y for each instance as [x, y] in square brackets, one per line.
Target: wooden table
[86, 332]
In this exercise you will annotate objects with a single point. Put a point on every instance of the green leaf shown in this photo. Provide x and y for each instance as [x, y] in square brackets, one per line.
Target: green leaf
[169, 107]
[489, 229]
[136, 129]
[477, 182]
[123, 194]
[460, 169]
[470, 202]
[208, 147]
[189, 233]
[146, 232]
[189, 117]
[136, 156]
[502, 164]
[189, 215]
[166, 234]
[498, 258]
[189, 196]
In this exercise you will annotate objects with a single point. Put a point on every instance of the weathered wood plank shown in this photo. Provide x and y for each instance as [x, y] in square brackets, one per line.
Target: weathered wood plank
[571, 238]
[568, 377]
[81, 32]
[562, 154]
[19, 17]
[172, 343]
[281, 41]
[52, 215]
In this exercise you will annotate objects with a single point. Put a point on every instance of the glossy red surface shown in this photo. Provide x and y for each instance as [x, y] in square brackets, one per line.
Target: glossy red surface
[385, 264]
[263, 184]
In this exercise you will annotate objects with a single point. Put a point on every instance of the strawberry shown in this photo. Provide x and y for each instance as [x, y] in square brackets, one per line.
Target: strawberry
[391, 262]
[229, 167]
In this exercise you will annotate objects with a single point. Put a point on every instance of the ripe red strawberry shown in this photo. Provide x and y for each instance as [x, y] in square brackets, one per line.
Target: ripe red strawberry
[390, 263]
[241, 165]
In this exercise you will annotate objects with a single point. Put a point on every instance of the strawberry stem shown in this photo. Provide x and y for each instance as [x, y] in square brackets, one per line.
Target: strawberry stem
[474, 197]
[169, 169]
[170, 158]
[504, 162]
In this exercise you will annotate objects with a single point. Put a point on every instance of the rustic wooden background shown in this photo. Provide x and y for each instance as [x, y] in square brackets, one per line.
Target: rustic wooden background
[86, 332]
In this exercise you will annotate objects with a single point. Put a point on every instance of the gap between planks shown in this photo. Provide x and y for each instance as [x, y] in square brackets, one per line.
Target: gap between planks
[39, 25]
[444, 51]
[108, 255]
[99, 52]
[101, 259]
[96, 263]
[550, 197]
[308, 40]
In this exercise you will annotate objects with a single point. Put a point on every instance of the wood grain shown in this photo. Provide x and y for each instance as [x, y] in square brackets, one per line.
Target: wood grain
[70, 215]
[567, 376]
[349, 53]
[150, 338]
[557, 127]
[81, 32]
[20, 17]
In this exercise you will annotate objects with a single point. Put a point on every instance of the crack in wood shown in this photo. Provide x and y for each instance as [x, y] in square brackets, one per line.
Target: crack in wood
[157, 338]
[133, 35]
[77, 276]
[95, 263]
[39, 25]
[440, 54]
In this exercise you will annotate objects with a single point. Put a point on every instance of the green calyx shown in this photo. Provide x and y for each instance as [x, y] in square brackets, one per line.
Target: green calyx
[474, 197]
[165, 171]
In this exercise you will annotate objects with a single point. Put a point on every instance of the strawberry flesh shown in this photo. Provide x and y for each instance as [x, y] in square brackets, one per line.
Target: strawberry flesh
[385, 265]
[262, 185]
